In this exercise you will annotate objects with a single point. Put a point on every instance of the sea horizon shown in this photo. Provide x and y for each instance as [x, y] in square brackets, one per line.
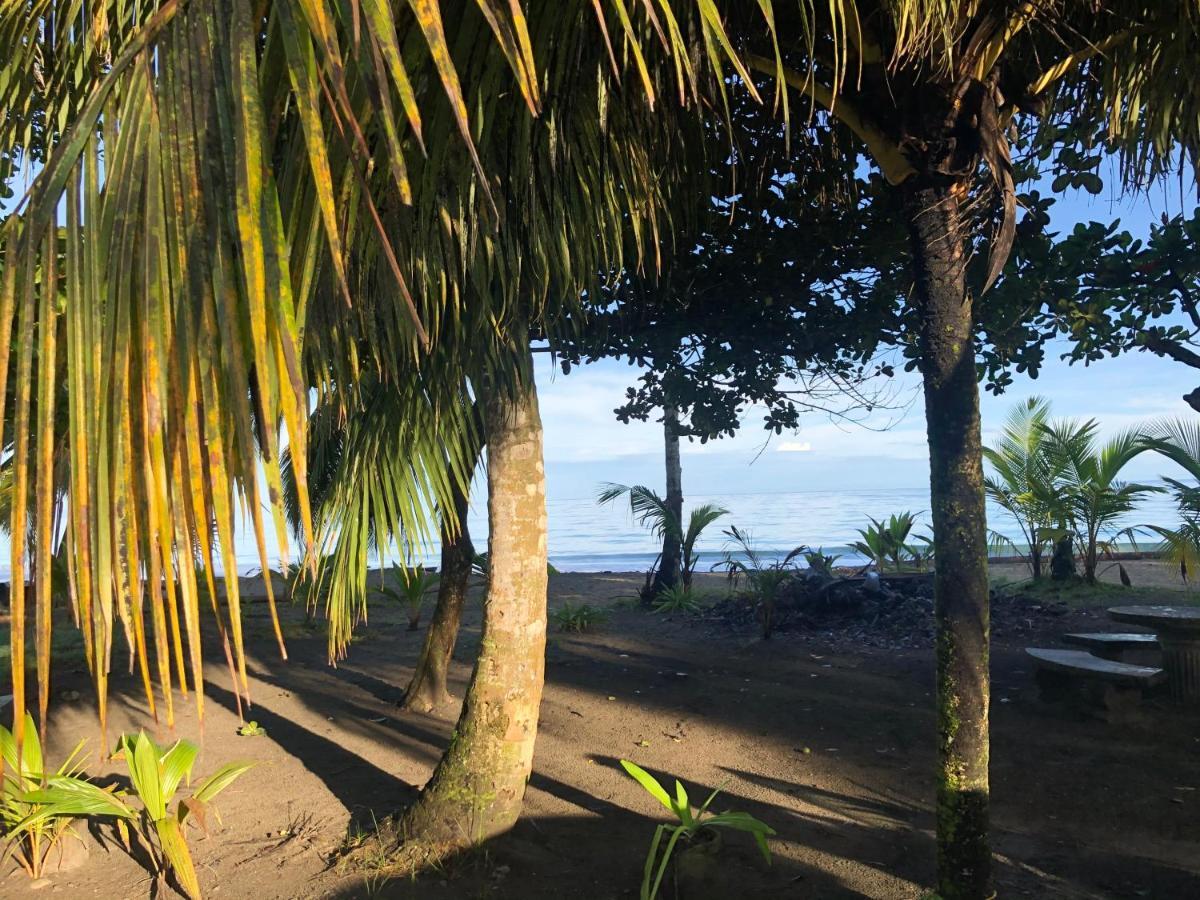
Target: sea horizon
[587, 537]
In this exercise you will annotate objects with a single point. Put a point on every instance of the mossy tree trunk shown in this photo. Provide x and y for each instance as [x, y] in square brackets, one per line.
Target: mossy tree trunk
[477, 789]
[961, 604]
[669, 570]
[427, 690]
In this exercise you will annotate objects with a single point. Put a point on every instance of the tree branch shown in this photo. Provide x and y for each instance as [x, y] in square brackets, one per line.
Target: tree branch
[1163, 347]
[1186, 299]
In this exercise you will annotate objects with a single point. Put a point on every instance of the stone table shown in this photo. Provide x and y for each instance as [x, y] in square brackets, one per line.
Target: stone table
[1178, 630]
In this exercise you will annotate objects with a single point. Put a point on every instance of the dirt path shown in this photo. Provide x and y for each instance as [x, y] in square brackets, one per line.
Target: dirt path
[830, 744]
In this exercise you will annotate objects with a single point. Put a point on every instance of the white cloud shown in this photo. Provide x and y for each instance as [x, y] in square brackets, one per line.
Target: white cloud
[794, 447]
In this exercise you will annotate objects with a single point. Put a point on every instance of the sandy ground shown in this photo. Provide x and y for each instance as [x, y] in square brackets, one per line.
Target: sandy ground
[831, 744]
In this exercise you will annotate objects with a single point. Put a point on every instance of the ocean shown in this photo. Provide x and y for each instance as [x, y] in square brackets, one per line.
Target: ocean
[586, 537]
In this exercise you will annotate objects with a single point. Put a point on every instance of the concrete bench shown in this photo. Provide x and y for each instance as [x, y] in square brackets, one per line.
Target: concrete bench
[1113, 646]
[1113, 690]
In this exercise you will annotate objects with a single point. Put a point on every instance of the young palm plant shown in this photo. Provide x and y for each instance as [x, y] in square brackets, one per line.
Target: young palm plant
[38, 808]
[155, 775]
[1023, 478]
[885, 543]
[1091, 498]
[765, 576]
[689, 824]
[652, 511]
[1179, 441]
[414, 583]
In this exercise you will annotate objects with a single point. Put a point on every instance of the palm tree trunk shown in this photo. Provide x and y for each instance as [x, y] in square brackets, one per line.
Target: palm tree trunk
[427, 689]
[476, 791]
[668, 575]
[1062, 563]
[1091, 560]
[961, 602]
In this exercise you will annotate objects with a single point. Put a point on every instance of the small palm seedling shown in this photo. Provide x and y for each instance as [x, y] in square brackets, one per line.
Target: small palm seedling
[37, 809]
[690, 824]
[885, 543]
[155, 775]
[821, 563]
[677, 600]
[765, 577]
[414, 585]
[578, 619]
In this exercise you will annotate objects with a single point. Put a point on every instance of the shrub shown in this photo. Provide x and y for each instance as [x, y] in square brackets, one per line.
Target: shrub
[765, 577]
[414, 582]
[578, 619]
[677, 600]
[885, 544]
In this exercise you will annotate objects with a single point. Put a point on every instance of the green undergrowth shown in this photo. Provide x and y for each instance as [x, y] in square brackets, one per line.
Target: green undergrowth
[1078, 593]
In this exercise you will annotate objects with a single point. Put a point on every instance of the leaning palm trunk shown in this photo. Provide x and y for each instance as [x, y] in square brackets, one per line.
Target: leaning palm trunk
[427, 689]
[476, 791]
[670, 568]
[960, 534]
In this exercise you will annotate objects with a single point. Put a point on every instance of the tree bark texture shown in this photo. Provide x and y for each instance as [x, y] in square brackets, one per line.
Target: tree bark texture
[1062, 563]
[961, 600]
[427, 690]
[477, 789]
[669, 569]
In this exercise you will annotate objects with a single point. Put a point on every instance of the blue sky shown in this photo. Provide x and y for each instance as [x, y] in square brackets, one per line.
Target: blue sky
[585, 444]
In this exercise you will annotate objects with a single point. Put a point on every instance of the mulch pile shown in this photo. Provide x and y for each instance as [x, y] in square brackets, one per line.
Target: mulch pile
[898, 614]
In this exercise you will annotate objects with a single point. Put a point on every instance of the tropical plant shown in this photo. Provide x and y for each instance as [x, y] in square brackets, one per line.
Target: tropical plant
[821, 563]
[652, 511]
[415, 583]
[677, 599]
[1179, 441]
[690, 824]
[886, 543]
[155, 775]
[1023, 479]
[766, 577]
[1090, 498]
[39, 807]
[578, 618]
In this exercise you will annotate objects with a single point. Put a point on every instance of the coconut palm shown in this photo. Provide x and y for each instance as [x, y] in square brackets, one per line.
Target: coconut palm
[1091, 499]
[259, 206]
[1022, 480]
[1179, 441]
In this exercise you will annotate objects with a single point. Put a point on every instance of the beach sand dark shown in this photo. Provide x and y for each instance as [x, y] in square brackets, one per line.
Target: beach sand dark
[831, 744]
